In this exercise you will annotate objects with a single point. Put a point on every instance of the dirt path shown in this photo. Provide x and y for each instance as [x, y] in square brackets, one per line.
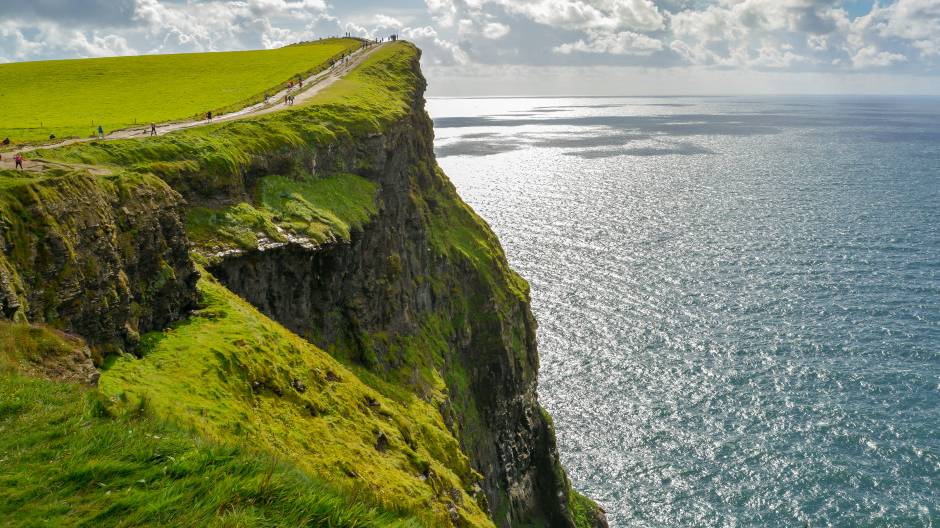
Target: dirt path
[312, 86]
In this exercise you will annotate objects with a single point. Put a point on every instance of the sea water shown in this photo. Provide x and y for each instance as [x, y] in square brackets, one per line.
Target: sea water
[738, 298]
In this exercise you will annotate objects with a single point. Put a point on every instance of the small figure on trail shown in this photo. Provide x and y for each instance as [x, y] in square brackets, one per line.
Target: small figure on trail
[6, 141]
[286, 100]
[209, 116]
[266, 96]
[100, 132]
[19, 160]
[153, 129]
[300, 84]
[292, 100]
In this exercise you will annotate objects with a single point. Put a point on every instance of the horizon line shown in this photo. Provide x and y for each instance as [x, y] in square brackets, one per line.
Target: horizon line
[937, 95]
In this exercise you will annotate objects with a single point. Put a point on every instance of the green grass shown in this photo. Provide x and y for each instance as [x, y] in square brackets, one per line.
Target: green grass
[318, 209]
[210, 161]
[231, 374]
[583, 509]
[67, 460]
[23, 345]
[72, 97]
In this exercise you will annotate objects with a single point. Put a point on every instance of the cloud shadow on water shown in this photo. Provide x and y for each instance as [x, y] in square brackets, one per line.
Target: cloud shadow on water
[476, 148]
[680, 149]
[671, 125]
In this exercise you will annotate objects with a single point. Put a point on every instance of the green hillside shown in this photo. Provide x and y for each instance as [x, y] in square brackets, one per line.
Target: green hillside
[69, 460]
[71, 97]
[224, 416]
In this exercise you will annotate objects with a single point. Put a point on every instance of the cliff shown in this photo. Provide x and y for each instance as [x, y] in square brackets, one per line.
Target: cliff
[104, 256]
[378, 339]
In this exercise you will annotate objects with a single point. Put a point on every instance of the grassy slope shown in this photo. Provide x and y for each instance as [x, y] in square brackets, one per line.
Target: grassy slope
[67, 461]
[233, 374]
[66, 97]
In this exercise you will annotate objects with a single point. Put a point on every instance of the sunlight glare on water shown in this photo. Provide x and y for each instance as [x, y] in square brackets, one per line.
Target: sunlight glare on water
[738, 298]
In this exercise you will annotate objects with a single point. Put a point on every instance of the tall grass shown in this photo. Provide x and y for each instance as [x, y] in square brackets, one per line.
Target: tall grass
[67, 461]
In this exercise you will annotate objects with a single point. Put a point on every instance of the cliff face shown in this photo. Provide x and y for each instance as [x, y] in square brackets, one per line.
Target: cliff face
[423, 286]
[335, 221]
[102, 257]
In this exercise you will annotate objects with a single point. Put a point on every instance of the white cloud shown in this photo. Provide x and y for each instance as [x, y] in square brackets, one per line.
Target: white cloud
[870, 56]
[443, 11]
[384, 21]
[495, 30]
[622, 43]
[611, 15]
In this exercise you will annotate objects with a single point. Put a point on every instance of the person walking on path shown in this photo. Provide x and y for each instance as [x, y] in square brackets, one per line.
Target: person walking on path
[153, 129]
[209, 116]
[19, 161]
[100, 132]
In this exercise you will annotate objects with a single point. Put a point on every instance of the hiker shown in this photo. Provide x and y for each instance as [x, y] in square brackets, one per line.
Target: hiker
[286, 100]
[100, 132]
[266, 97]
[153, 129]
[19, 161]
[6, 141]
[300, 84]
[209, 116]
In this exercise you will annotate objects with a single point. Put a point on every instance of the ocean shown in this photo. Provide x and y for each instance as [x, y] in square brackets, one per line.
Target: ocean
[738, 298]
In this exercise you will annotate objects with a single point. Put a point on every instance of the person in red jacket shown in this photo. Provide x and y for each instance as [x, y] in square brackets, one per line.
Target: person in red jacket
[19, 160]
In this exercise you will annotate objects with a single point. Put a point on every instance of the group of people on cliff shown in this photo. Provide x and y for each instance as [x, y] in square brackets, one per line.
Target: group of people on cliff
[288, 99]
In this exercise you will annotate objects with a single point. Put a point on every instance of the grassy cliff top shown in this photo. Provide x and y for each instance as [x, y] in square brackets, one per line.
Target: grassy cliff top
[72, 97]
[208, 162]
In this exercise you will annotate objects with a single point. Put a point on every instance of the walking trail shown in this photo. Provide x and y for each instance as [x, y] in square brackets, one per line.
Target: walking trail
[312, 86]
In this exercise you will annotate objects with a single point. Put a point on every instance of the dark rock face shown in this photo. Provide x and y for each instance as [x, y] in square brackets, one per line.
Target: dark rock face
[390, 281]
[104, 260]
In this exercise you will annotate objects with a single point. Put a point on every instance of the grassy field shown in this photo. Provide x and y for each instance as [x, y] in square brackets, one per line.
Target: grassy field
[72, 97]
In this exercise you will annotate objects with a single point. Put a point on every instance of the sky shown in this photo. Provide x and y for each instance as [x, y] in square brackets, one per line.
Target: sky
[535, 47]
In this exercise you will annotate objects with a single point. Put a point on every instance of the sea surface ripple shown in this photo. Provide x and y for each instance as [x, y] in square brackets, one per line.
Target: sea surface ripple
[738, 298]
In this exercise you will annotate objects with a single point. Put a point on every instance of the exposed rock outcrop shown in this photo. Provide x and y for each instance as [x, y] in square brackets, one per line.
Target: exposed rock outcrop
[106, 259]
